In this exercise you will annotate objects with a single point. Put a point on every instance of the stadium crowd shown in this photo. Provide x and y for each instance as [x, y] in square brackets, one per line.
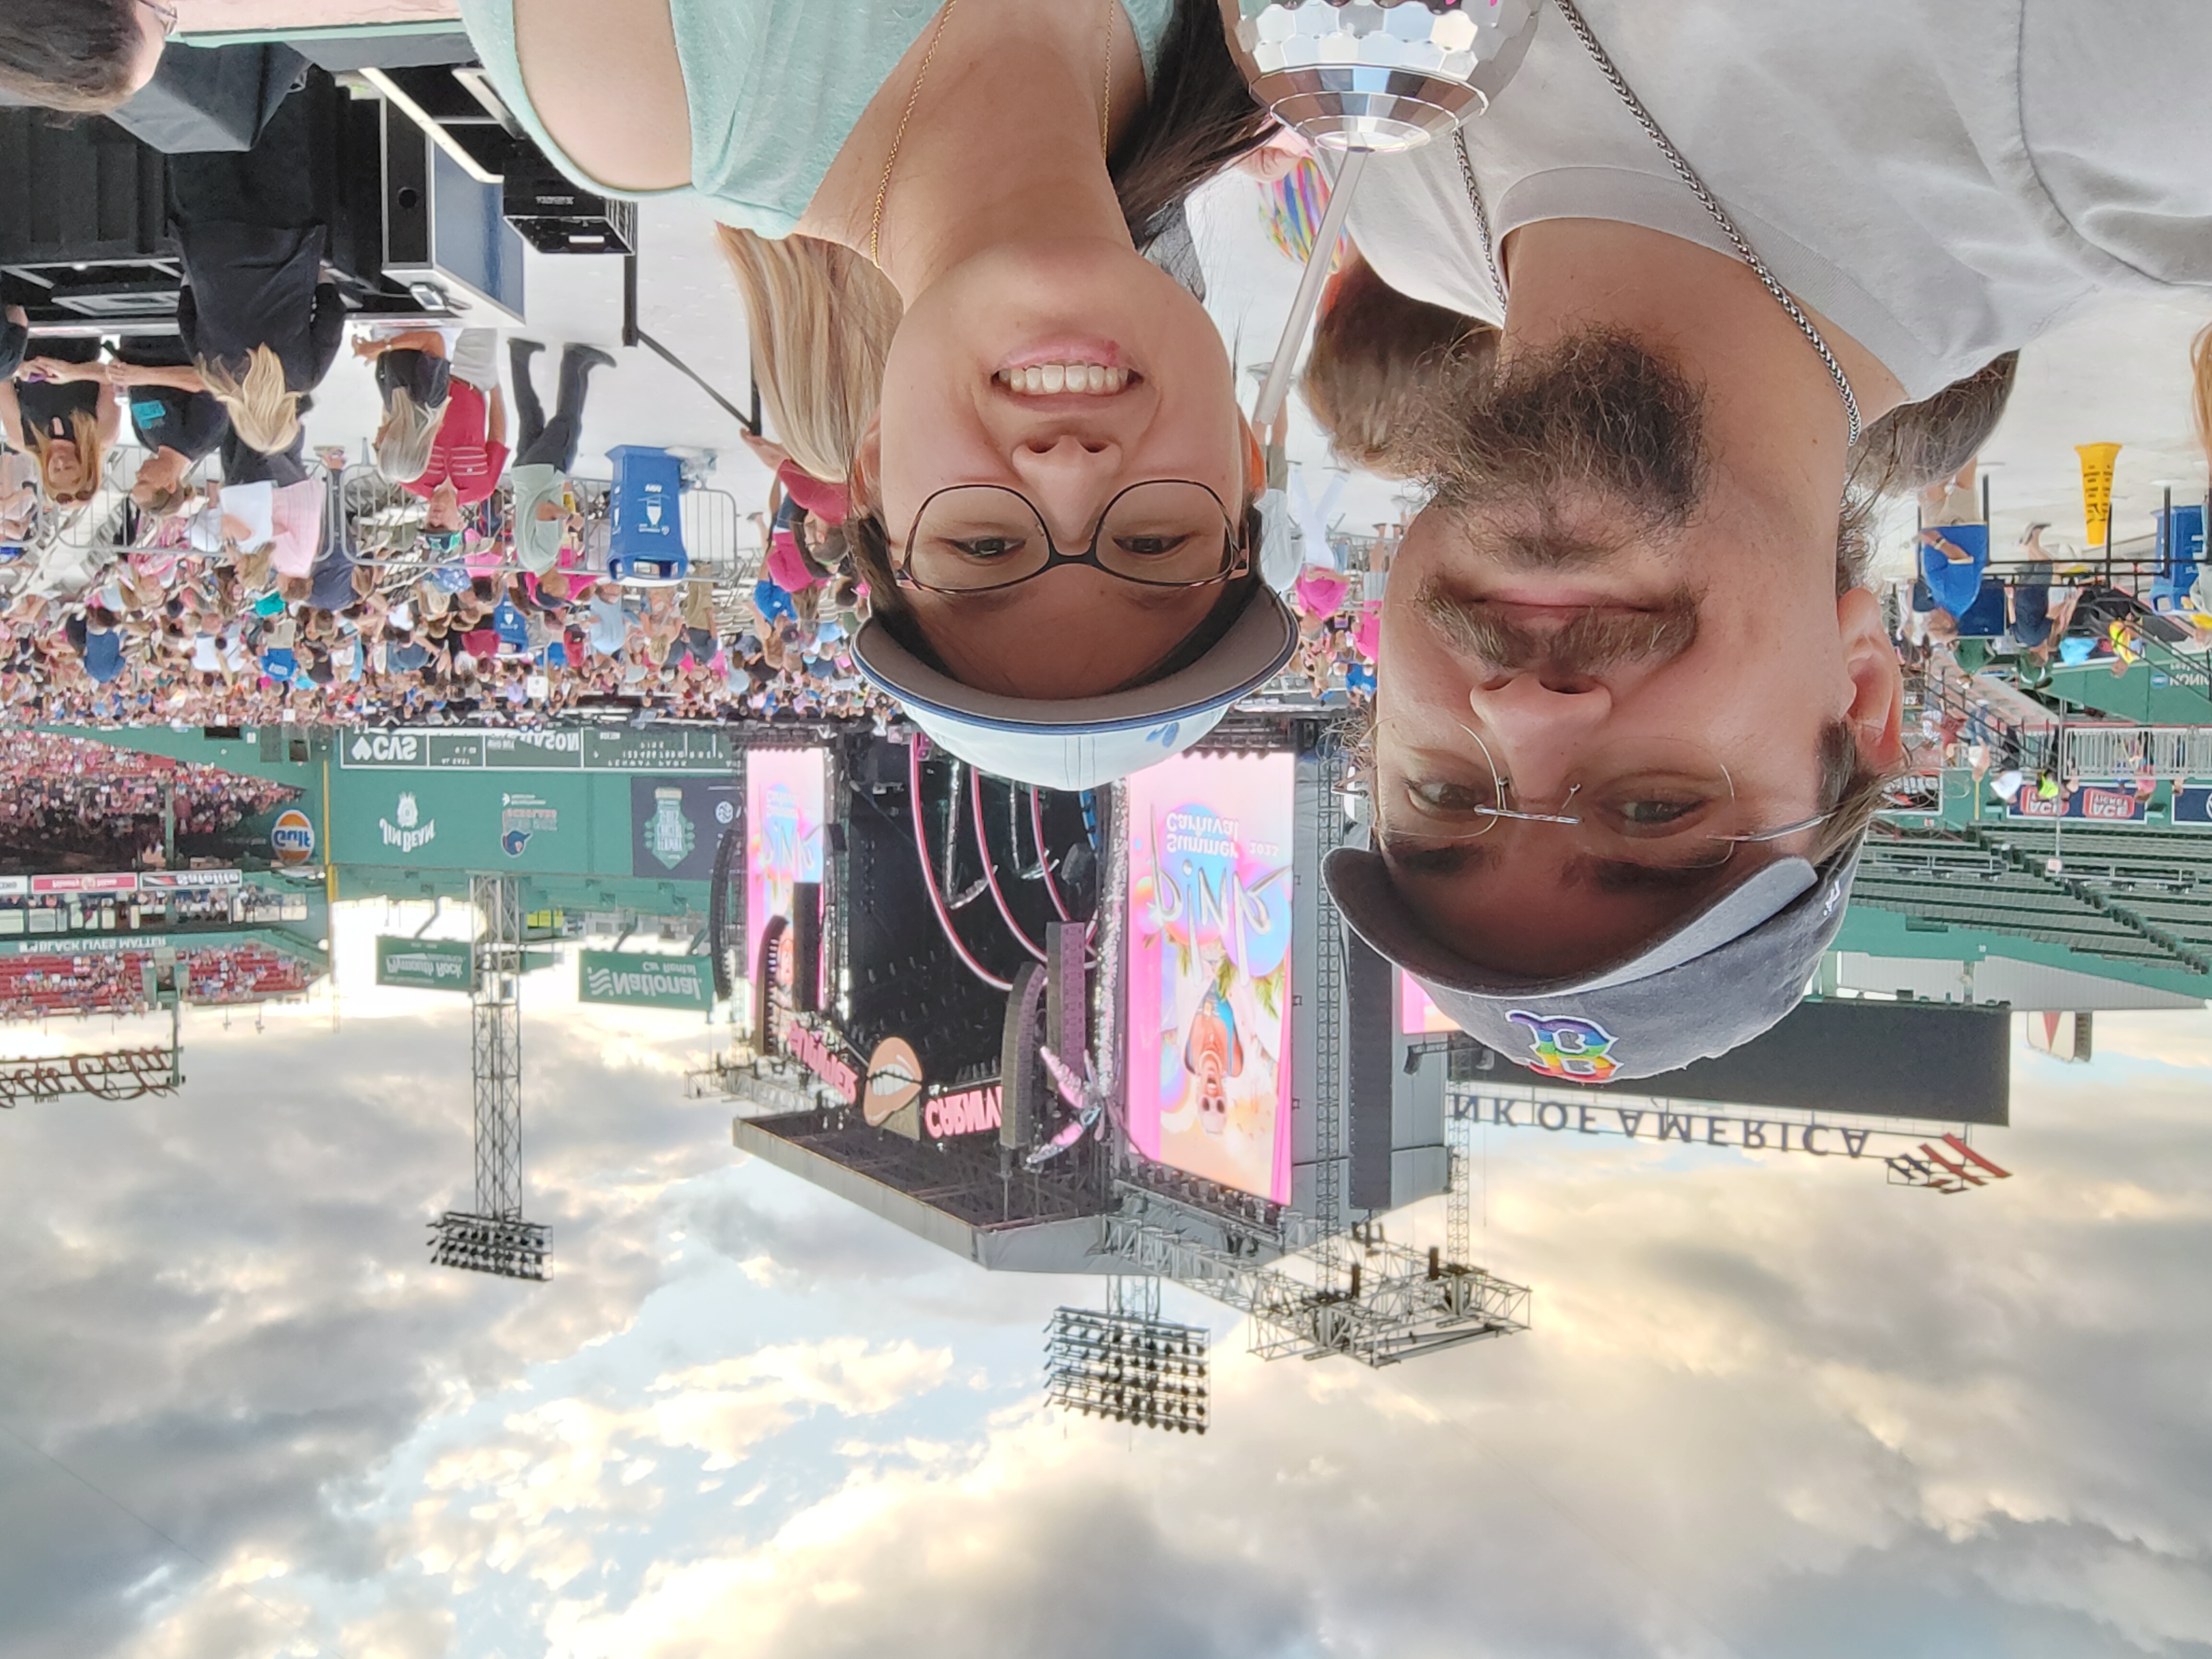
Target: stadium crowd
[114, 981]
[72, 795]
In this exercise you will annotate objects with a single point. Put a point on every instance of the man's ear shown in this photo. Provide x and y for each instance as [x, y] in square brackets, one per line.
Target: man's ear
[1876, 713]
[1255, 458]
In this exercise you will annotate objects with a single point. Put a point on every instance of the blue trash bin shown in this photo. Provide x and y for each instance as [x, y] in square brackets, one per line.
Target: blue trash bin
[513, 631]
[2180, 551]
[646, 519]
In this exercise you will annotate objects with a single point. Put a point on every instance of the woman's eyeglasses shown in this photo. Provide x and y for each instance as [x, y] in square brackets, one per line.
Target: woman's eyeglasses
[1164, 532]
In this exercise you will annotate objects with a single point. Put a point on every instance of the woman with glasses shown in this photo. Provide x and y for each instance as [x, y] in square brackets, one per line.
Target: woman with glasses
[1050, 489]
[59, 409]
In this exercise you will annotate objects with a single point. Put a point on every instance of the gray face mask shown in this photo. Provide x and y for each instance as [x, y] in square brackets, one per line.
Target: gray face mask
[1719, 979]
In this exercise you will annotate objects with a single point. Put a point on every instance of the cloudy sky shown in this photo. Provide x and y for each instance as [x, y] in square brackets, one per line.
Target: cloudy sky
[1769, 1404]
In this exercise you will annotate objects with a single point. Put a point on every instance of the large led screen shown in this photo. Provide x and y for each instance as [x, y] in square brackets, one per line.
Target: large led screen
[1209, 968]
[1418, 1013]
[783, 835]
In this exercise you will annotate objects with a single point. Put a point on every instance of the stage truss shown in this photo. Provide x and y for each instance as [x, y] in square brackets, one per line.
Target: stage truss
[112, 1074]
[108, 1073]
[1354, 1294]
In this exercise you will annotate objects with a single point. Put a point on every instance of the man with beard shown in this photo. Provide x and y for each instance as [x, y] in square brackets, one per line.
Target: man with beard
[1636, 707]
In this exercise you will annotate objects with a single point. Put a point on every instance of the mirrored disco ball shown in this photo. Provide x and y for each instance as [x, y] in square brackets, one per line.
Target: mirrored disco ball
[1382, 74]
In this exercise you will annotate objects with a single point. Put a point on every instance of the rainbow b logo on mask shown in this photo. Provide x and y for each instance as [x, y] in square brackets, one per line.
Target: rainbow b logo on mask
[1575, 1049]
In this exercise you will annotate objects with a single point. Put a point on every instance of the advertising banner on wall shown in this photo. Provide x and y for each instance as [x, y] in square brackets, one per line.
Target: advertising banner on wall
[635, 979]
[675, 823]
[670, 748]
[1209, 968]
[423, 964]
[784, 806]
[2193, 803]
[2101, 803]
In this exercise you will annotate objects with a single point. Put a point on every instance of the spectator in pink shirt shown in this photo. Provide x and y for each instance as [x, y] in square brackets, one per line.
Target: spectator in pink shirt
[459, 439]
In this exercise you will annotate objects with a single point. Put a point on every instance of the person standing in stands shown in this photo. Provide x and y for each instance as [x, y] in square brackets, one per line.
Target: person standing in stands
[1954, 547]
[171, 411]
[444, 433]
[549, 449]
[58, 408]
[262, 324]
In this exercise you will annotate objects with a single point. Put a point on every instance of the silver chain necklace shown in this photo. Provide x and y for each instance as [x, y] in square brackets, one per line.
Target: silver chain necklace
[1689, 177]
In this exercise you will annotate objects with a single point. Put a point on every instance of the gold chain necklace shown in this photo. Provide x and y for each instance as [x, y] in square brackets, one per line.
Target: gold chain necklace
[898, 138]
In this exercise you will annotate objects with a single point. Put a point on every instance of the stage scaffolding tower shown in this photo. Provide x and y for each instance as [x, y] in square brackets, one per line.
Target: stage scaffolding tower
[1354, 1294]
[494, 1238]
[1326, 1011]
[1459, 1193]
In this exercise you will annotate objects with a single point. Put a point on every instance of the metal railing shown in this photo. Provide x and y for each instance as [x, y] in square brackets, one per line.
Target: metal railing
[2120, 751]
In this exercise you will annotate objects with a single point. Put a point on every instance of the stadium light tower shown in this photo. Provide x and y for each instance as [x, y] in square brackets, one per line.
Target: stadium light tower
[494, 1238]
[1127, 1365]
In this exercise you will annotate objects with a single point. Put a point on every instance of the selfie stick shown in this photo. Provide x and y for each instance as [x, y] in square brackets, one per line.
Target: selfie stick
[1277, 385]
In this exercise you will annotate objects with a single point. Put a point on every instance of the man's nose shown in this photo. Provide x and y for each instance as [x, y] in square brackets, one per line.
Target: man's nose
[1068, 475]
[1543, 719]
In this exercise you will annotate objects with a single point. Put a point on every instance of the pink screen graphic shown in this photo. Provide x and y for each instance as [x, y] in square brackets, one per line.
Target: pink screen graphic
[783, 835]
[1418, 1015]
[1209, 978]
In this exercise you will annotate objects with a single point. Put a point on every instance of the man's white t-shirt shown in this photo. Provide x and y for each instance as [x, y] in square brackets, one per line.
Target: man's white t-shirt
[1945, 180]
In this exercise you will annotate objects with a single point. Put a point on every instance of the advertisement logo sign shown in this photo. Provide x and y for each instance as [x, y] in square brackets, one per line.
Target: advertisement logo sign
[894, 1080]
[521, 817]
[385, 748]
[117, 882]
[550, 751]
[669, 835]
[964, 1112]
[409, 831]
[634, 980]
[292, 837]
[1209, 969]
[804, 1045]
[2102, 803]
[424, 964]
[2193, 803]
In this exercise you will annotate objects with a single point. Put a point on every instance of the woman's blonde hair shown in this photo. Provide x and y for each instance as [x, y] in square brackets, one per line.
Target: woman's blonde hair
[262, 411]
[2200, 360]
[253, 568]
[408, 435]
[820, 319]
[84, 433]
